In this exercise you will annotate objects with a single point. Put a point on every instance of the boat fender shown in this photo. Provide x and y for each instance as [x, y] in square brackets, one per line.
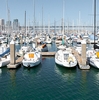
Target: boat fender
[90, 53]
[97, 54]
[43, 45]
[70, 59]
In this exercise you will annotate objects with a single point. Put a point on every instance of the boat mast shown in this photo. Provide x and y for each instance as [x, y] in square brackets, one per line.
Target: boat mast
[49, 27]
[63, 18]
[94, 21]
[54, 26]
[42, 19]
[25, 22]
[34, 17]
[8, 14]
[79, 24]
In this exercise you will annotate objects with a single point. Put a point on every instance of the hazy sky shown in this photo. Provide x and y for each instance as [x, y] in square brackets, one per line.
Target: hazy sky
[75, 11]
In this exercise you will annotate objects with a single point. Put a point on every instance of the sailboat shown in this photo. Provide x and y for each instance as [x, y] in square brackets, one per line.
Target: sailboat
[62, 46]
[65, 58]
[48, 40]
[93, 55]
[32, 58]
[4, 56]
[93, 58]
[5, 51]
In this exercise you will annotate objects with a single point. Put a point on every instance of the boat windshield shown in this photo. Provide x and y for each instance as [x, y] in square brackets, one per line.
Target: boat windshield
[66, 56]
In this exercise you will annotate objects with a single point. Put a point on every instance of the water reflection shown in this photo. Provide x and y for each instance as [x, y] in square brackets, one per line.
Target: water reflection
[3, 71]
[31, 71]
[52, 47]
[49, 46]
[66, 73]
[83, 86]
[0, 71]
[97, 76]
[13, 76]
[95, 72]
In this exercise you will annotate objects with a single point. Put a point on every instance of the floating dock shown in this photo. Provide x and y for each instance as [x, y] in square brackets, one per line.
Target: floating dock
[42, 53]
[52, 54]
[17, 64]
[79, 60]
[48, 54]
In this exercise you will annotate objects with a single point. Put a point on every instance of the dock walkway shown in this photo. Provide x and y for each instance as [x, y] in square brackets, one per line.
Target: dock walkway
[48, 53]
[17, 63]
[79, 60]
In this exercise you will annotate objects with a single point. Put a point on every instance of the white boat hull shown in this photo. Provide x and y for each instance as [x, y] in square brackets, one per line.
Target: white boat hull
[4, 62]
[31, 63]
[65, 64]
[92, 58]
[61, 47]
[32, 59]
[48, 42]
[94, 62]
[65, 59]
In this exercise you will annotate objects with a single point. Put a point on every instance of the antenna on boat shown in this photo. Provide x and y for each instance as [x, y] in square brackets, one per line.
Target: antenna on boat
[8, 15]
[94, 21]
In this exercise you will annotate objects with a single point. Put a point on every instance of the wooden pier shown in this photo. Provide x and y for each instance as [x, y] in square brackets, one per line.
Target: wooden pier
[52, 54]
[19, 59]
[42, 53]
[48, 54]
[14, 63]
[79, 60]
[17, 64]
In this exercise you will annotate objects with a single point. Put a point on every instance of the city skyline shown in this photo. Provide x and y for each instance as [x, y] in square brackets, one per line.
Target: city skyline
[50, 11]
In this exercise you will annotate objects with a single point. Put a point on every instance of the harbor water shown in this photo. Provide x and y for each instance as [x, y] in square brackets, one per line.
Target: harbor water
[49, 81]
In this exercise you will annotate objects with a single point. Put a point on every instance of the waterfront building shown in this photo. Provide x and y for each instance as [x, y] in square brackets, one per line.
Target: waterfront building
[8, 24]
[2, 24]
[15, 25]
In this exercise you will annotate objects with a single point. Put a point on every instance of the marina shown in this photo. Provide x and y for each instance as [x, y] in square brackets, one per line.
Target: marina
[49, 80]
[54, 55]
[27, 56]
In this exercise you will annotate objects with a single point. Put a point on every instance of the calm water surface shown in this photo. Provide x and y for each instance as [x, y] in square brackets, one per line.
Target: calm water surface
[49, 81]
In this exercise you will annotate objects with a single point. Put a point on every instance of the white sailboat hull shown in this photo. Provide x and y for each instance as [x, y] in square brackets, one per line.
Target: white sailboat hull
[4, 62]
[65, 64]
[92, 58]
[48, 42]
[31, 59]
[65, 59]
[61, 47]
[94, 62]
[31, 63]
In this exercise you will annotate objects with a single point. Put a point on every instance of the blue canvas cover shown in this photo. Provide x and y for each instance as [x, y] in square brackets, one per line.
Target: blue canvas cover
[6, 52]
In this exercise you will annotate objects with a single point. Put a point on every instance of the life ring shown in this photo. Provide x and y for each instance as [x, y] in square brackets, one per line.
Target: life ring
[70, 59]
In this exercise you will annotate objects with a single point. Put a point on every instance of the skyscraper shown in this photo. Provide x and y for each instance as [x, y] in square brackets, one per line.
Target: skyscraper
[8, 23]
[2, 25]
[15, 24]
